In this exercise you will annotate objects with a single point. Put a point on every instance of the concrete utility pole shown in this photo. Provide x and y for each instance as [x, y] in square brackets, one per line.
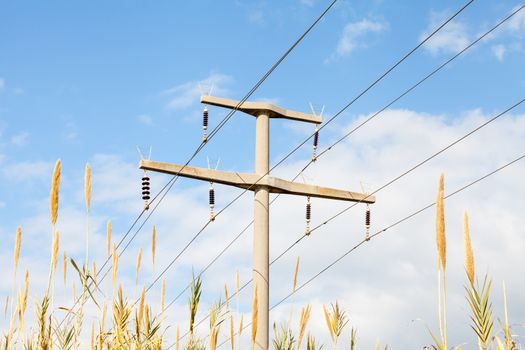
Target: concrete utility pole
[262, 184]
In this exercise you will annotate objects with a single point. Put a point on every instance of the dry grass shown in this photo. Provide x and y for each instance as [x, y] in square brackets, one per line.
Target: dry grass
[137, 267]
[469, 255]
[55, 185]
[18, 243]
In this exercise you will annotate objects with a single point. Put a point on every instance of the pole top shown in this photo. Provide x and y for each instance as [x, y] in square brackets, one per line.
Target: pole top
[256, 108]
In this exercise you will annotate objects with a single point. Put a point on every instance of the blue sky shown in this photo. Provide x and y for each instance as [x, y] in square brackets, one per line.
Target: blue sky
[88, 82]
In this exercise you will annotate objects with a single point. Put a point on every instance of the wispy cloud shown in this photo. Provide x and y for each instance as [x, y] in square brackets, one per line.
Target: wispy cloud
[2, 84]
[145, 119]
[27, 170]
[353, 35]
[20, 139]
[187, 94]
[450, 39]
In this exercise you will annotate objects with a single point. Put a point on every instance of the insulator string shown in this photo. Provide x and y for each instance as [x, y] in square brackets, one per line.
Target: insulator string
[316, 141]
[146, 191]
[308, 215]
[212, 202]
[205, 124]
[367, 223]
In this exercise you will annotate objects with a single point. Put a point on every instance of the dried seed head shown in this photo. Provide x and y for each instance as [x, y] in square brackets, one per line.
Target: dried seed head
[18, 242]
[114, 266]
[94, 272]
[177, 337]
[54, 253]
[153, 244]
[232, 332]
[64, 266]
[137, 268]
[226, 296]
[237, 284]
[108, 236]
[87, 186]
[469, 255]
[295, 273]
[141, 306]
[241, 325]
[26, 290]
[440, 224]
[55, 185]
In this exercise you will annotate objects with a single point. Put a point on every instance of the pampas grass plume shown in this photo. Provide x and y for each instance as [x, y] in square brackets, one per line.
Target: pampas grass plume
[55, 185]
[469, 255]
[440, 224]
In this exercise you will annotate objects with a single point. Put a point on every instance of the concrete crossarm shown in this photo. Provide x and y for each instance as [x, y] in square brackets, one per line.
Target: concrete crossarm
[256, 108]
[253, 181]
[241, 180]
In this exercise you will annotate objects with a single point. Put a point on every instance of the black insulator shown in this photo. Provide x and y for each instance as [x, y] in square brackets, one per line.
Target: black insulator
[367, 217]
[316, 138]
[145, 188]
[205, 119]
[212, 196]
[308, 211]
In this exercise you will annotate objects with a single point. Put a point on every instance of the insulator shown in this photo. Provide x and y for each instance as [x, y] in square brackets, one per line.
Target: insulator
[316, 141]
[308, 211]
[212, 197]
[212, 203]
[308, 216]
[367, 224]
[205, 124]
[146, 191]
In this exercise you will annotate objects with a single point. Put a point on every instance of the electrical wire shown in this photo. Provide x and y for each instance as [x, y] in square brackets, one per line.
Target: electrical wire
[362, 242]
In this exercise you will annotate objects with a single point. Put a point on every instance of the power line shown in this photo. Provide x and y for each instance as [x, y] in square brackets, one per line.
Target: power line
[331, 119]
[405, 173]
[351, 132]
[362, 242]
[167, 187]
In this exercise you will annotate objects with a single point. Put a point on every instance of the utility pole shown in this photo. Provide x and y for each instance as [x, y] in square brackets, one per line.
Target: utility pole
[262, 184]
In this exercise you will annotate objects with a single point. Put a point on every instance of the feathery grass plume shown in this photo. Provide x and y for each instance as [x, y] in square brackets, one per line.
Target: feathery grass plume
[137, 268]
[255, 315]
[481, 309]
[18, 243]
[442, 263]
[336, 322]
[311, 344]
[140, 311]
[114, 270]
[54, 254]
[153, 244]
[162, 294]
[195, 296]
[177, 338]
[232, 332]
[241, 328]
[296, 273]
[305, 316]
[87, 193]
[227, 300]
[353, 338]
[26, 291]
[469, 256]
[440, 224]
[215, 324]
[108, 236]
[55, 185]
[87, 187]
[6, 304]
[64, 266]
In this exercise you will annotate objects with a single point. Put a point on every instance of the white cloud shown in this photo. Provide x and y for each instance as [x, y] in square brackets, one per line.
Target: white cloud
[452, 38]
[20, 139]
[517, 23]
[27, 170]
[499, 51]
[187, 94]
[145, 119]
[354, 32]
[308, 3]
[2, 84]
[387, 286]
